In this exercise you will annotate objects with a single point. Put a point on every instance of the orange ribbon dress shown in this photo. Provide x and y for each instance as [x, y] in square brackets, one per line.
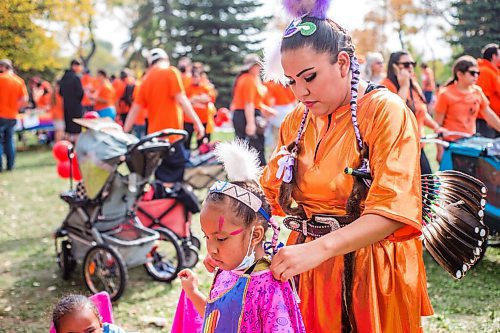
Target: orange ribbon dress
[389, 281]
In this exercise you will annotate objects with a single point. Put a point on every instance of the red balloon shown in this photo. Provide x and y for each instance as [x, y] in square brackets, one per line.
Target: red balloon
[60, 150]
[218, 122]
[63, 168]
[91, 115]
[77, 175]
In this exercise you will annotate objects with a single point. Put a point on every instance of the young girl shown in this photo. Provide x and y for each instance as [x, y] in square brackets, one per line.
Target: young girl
[461, 101]
[77, 314]
[244, 296]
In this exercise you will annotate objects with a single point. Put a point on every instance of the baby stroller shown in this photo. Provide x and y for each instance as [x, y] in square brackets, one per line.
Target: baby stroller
[203, 169]
[480, 158]
[169, 211]
[100, 229]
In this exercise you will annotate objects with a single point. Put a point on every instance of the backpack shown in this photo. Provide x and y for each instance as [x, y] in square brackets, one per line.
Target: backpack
[128, 95]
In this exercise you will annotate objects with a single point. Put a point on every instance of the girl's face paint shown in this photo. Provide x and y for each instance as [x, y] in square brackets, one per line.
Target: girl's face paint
[226, 239]
[221, 223]
[236, 232]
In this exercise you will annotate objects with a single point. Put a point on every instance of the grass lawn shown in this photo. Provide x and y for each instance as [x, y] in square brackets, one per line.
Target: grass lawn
[30, 210]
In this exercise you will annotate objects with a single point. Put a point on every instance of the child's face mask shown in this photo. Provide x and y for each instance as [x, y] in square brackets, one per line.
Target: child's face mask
[249, 259]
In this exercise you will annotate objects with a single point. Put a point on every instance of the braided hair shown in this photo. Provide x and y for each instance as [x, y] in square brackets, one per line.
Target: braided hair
[328, 38]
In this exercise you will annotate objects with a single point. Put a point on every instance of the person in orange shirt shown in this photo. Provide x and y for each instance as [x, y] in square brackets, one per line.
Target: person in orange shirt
[248, 106]
[88, 84]
[13, 96]
[200, 95]
[461, 101]
[282, 100]
[489, 81]
[400, 80]
[428, 83]
[44, 102]
[186, 68]
[361, 268]
[56, 109]
[124, 91]
[104, 97]
[162, 93]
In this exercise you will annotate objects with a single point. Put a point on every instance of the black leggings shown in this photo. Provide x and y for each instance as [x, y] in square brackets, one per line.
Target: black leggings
[425, 167]
[256, 141]
[189, 128]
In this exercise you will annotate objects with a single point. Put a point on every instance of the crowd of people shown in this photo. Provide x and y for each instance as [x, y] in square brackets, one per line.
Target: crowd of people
[468, 103]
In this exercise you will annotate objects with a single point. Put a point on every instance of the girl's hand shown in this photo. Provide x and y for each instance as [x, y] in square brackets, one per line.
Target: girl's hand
[295, 259]
[189, 281]
[209, 263]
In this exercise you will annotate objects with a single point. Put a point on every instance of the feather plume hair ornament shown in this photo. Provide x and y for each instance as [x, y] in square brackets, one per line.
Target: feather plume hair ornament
[272, 70]
[240, 161]
[314, 8]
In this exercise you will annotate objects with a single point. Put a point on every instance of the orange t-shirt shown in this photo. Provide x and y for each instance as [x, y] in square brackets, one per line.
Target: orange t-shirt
[201, 109]
[12, 90]
[461, 108]
[186, 80]
[143, 112]
[88, 84]
[321, 187]
[119, 86]
[428, 83]
[106, 92]
[419, 103]
[57, 110]
[489, 81]
[279, 94]
[248, 89]
[157, 93]
[44, 100]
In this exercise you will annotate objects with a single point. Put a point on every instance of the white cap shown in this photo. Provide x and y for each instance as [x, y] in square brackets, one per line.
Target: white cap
[155, 54]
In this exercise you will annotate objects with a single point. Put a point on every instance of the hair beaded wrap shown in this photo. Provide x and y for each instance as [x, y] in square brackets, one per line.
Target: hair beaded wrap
[355, 73]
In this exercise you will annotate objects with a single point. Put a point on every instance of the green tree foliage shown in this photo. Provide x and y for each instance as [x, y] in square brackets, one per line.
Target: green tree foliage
[476, 24]
[218, 33]
[24, 41]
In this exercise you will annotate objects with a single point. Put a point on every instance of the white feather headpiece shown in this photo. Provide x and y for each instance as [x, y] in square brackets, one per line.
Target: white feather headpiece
[241, 162]
[272, 70]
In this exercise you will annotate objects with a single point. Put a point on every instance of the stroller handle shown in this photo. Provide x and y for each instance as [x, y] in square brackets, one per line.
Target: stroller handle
[163, 133]
[438, 137]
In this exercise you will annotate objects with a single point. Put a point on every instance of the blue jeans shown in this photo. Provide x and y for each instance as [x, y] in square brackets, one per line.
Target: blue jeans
[7, 143]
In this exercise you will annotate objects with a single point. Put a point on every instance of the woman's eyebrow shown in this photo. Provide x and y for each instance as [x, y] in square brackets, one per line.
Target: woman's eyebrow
[303, 71]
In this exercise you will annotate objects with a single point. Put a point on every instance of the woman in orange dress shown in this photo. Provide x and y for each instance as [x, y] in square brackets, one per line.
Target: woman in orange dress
[400, 80]
[353, 247]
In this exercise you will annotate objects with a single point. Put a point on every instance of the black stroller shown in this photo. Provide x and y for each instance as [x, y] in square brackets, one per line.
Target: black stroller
[101, 228]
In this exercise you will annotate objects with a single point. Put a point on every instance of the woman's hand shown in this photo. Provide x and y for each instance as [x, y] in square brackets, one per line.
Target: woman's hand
[250, 129]
[189, 281]
[295, 259]
[403, 75]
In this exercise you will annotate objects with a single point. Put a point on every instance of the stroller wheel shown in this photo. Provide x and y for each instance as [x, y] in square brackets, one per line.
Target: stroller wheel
[65, 259]
[190, 256]
[165, 258]
[105, 270]
[195, 241]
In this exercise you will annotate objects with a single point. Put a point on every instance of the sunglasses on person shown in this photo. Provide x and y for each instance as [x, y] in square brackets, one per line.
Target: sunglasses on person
[407, 64]
[473, 73]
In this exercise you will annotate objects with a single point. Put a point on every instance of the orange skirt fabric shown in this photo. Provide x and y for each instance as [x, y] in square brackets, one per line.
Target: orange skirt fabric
[387, 279]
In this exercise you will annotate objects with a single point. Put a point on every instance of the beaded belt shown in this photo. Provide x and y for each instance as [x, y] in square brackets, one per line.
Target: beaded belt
[318, 225]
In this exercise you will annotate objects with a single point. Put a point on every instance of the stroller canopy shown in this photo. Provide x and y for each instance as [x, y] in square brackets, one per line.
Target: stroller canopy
[98, 150]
